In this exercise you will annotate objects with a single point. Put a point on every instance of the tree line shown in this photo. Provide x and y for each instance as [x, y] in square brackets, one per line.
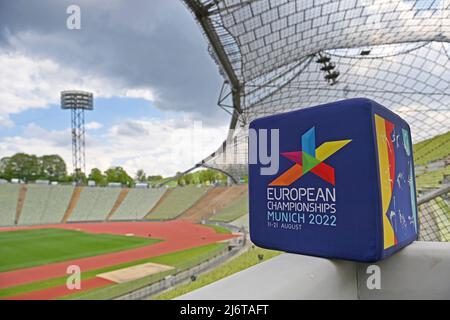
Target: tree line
[202, 177]
[28, 168]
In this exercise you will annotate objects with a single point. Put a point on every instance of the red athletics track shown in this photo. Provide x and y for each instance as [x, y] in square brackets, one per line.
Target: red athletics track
[177, 235]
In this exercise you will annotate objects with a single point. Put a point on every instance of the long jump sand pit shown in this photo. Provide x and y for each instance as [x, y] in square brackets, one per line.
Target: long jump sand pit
[177, 235]
[134, 272]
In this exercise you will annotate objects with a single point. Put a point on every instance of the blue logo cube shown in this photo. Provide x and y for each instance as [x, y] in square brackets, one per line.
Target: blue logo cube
[334, 181]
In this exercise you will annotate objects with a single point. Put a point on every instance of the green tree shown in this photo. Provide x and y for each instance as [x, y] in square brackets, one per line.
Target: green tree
[30, 167]
[221, 177]
[207, 175]
[154, 178]
[180, 180]
[3, 165]
[22, 166]
[97, 176]
[81, 176]
[140, 175]
[189, 178]
[52, 167]
[118, 174]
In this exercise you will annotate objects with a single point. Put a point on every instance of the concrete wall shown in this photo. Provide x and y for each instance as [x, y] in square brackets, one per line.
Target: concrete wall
[419, 271]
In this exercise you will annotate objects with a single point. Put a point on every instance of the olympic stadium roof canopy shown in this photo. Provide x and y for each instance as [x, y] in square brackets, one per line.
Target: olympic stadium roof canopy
[279, 55]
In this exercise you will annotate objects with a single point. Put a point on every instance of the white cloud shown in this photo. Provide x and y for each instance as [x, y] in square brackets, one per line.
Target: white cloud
[28, 83]
[141, 93]
[426, 123]
[93, 125]
[155, 145]
[6, 122]
[163, 146]
[36, 140]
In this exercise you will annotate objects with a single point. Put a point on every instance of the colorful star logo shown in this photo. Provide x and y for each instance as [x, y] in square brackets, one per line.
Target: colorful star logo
[310, 159]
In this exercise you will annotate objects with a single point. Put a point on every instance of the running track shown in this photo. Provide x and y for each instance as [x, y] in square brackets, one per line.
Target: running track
[177, 235]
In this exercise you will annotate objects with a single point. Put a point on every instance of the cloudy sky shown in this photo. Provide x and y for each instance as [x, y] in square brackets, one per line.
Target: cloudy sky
[154, 84]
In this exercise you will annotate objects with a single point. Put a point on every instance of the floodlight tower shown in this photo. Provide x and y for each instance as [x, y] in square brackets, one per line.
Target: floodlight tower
[77, 102]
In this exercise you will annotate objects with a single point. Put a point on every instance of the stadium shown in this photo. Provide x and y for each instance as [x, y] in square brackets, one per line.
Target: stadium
[165, 239]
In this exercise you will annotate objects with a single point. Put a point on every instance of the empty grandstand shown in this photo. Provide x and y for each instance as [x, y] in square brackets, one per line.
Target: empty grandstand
[8, 203]
[441, 222]
[94, 204]
[137, 204]
[232, 210]
[119, 200]
[45, 204]
[242, 222]
[432, 179]
[275, 56]
[72, 203]
[214, 201]
[431, 150]
[176, 201]
[431, 158]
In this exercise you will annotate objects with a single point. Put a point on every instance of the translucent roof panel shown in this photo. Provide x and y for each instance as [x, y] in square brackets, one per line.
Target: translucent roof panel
[272, 33]
[282, 55]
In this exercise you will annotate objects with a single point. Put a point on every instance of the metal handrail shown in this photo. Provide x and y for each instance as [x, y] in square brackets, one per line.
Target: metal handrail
[433, 194]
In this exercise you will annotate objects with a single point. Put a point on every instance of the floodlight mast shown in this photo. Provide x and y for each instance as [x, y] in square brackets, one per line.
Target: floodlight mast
[78, 101]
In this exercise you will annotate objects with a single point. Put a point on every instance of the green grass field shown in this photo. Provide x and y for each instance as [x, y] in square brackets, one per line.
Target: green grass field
[29, 248]
[180, 260]
[218, 229]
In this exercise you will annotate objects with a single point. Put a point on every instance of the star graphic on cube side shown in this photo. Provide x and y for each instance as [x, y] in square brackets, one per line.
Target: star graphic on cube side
[310, 159]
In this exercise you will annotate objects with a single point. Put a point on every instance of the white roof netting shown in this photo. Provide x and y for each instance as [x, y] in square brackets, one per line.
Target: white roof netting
[280, 55]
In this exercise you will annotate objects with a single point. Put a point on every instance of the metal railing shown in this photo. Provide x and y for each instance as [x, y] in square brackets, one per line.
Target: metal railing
[181, 276]
[434, 215]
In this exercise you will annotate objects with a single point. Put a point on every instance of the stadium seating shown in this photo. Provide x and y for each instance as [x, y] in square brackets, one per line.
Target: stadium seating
[233, 210]
[435, 217]
[431, 179]
[8, 202]
[57, 204]
[177, 200]
[94, 204]
[241, 222]
[443, 220]
[45, 204]
[214, 201]
[137, 204]
[433, 149]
